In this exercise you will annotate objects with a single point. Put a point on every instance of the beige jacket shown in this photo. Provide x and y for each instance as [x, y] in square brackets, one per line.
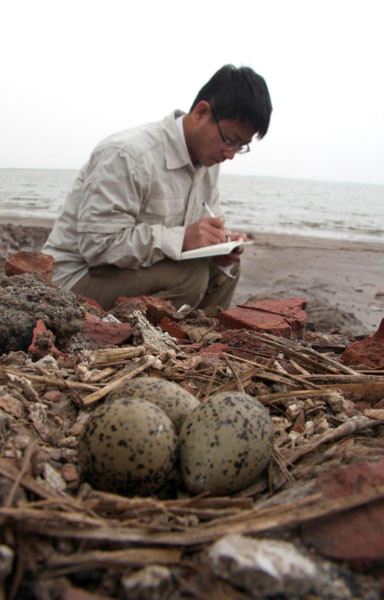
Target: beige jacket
[131, 202]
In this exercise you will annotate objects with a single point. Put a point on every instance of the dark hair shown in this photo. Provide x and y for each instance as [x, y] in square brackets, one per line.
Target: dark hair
[238, 93]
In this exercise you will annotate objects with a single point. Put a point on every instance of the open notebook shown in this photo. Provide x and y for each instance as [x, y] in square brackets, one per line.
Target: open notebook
[215, 249]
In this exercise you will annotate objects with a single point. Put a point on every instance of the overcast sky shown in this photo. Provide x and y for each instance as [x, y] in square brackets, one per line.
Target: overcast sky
[75, 71]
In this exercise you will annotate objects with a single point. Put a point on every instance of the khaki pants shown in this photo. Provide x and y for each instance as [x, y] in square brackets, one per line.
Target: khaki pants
[198, 282]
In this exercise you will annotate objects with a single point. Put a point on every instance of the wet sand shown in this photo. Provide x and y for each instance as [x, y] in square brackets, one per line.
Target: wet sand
[333, 275]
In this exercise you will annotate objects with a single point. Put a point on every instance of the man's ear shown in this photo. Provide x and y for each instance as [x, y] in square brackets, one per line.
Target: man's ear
[201, 111]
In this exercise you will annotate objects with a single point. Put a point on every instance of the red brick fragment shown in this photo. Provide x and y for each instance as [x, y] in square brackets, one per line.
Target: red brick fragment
[42, 342]
[103, 333]
[172, 328]
[69, 473]
[91, 302]
[157, 308]
[214, 350]
[368, 352]
[356, 535]
[89, 316]
[278, 317]
[30, 262]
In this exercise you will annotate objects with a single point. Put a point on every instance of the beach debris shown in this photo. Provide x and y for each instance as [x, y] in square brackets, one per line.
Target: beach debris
[26, 261]
[285, 317]
[145, 333]
[368, 351]
[173, 399]
[127, 446]
[263, 567]
[358, 535]
[322, 315]
[152, 307]
[96, 332]
[43, 342]
[24, 299]
[225, 443]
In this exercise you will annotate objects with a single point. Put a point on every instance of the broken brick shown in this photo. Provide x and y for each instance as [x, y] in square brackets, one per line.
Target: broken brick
[283, 317]
[356, 535]
[214, 350]
[42, 342]
[30, 262]
[156, 308]
[173, 328]
[103, 333]
[92, 303]
[368, 352]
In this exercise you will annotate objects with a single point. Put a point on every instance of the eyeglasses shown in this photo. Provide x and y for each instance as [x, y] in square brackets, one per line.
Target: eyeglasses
[228, 144]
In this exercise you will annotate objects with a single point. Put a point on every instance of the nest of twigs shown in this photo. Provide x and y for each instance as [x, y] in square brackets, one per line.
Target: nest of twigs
[66, 535]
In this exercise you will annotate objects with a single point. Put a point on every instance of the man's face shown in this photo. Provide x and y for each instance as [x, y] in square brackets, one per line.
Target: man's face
[206, 145]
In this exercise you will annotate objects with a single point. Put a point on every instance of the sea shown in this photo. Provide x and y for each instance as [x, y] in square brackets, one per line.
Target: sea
[335, 210]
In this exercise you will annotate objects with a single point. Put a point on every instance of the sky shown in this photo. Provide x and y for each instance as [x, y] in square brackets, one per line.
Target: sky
[75, 71]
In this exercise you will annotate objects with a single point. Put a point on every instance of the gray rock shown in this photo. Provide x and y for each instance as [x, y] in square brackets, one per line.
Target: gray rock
[262, 567]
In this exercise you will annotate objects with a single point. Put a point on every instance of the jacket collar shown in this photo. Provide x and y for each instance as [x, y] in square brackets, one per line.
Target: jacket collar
[175, 152]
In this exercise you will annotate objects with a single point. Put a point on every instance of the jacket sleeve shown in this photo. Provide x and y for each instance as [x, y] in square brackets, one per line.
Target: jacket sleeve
[109, 228]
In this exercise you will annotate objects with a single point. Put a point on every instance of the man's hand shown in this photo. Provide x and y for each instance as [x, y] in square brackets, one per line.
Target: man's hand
[229, 259]
[205, 232]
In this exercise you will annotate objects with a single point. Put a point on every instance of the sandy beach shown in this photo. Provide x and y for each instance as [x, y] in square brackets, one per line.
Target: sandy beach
[343, 282]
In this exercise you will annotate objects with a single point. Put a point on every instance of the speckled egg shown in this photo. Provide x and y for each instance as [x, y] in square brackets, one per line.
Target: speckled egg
[225, 443]
[174, 400]
[128, 446]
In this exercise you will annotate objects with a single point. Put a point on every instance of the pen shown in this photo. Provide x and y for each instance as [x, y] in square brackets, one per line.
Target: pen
[212, 214]
[208, 209]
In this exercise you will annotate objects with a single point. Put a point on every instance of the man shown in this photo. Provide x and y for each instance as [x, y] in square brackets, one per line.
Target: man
[141, 200]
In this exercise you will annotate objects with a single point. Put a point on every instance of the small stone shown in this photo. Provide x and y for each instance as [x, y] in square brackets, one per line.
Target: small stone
[53, 396]
[263, 567]
[151, 583]
[53, 478]
[49, 363]
[6, 560]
